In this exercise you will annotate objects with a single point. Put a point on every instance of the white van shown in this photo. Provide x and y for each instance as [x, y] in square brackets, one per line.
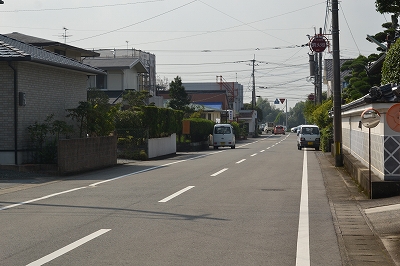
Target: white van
[223, 136]
[308, 136]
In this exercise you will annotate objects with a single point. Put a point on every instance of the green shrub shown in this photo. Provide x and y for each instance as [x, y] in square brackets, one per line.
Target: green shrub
[238, 131]
[326, 139]
[200, 129]
[143, 155]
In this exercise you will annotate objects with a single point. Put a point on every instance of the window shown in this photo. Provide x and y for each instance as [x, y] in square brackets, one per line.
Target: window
[310, 130]
[101, 82]
[222, 130]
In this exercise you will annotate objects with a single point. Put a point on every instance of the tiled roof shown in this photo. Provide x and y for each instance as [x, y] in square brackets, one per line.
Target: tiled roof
[329, 69]
[117, 63]
[39, 42]
[12, 53]
[28, 39]
[11, 49]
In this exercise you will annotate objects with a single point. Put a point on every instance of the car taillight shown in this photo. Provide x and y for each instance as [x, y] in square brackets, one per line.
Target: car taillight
[302, 139]
[317, 139]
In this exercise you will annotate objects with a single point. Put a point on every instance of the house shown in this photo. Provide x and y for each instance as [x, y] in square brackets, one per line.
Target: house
[212, 103]
[328, 75]
[127, 69]
[249, 119]
[35, 83]
[233, 92]
[220, 101]
[121, 74]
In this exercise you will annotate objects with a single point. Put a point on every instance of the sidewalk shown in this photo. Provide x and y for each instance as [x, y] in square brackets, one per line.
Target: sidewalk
[372, 239]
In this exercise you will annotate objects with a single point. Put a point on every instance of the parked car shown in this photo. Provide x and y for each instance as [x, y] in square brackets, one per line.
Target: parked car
[223, 136]
[308, 136]
[279, 130]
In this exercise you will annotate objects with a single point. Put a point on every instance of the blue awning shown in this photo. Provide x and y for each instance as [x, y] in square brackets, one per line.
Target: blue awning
[211, 105]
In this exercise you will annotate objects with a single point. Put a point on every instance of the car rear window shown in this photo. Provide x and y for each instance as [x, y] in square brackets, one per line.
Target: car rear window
[310, 130]
[222, 130]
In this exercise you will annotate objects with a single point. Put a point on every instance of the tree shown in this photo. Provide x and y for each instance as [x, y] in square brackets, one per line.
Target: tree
[359, 81]
[136, 98]
[391, 65]
[96, 117]
[179, 97]
[387, 6]
[296, 115]
[392, 32]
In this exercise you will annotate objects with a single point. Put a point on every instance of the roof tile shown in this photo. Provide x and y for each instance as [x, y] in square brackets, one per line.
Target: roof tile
[11, 49]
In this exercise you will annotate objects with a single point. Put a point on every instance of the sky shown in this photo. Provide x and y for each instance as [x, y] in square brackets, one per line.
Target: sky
[200, 40]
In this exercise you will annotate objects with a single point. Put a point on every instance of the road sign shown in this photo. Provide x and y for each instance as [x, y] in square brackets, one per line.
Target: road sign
[282, 100]
[318, 44]
[276, 101]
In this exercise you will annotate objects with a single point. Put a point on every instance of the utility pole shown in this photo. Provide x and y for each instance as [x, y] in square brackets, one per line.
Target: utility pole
[316, 79]
[320, 73]
[286, 115]
[253, 95]
[337, 99]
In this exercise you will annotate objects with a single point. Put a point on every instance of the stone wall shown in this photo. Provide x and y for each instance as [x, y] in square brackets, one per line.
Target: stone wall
[79, 155]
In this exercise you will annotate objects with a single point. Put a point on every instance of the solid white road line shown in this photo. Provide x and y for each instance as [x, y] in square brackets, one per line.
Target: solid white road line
[303, 237]
[176, 194]
[68, 248]
[42, 198]
[394, 207]
[221, 171]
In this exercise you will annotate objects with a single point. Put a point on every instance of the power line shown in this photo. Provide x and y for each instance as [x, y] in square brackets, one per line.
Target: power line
[156, 16]
[351, 33]
[74, 8]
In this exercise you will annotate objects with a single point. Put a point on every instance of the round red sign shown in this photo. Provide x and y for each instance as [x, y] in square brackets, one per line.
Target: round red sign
[318, 44]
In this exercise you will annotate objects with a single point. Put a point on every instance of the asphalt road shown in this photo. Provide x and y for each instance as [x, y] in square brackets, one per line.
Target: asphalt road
[263, 203]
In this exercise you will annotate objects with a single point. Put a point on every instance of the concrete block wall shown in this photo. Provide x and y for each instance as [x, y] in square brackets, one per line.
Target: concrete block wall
[84, 154]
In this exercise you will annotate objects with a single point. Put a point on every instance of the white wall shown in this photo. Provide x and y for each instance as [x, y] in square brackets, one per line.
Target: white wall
[162, 146]
[355, 141]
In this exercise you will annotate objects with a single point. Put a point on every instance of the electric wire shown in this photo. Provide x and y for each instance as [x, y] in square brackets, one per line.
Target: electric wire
[351, 33]
[136, 23]
[74, 8]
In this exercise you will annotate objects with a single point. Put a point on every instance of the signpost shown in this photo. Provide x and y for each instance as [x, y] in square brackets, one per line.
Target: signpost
[370, 118]
[282, 100]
